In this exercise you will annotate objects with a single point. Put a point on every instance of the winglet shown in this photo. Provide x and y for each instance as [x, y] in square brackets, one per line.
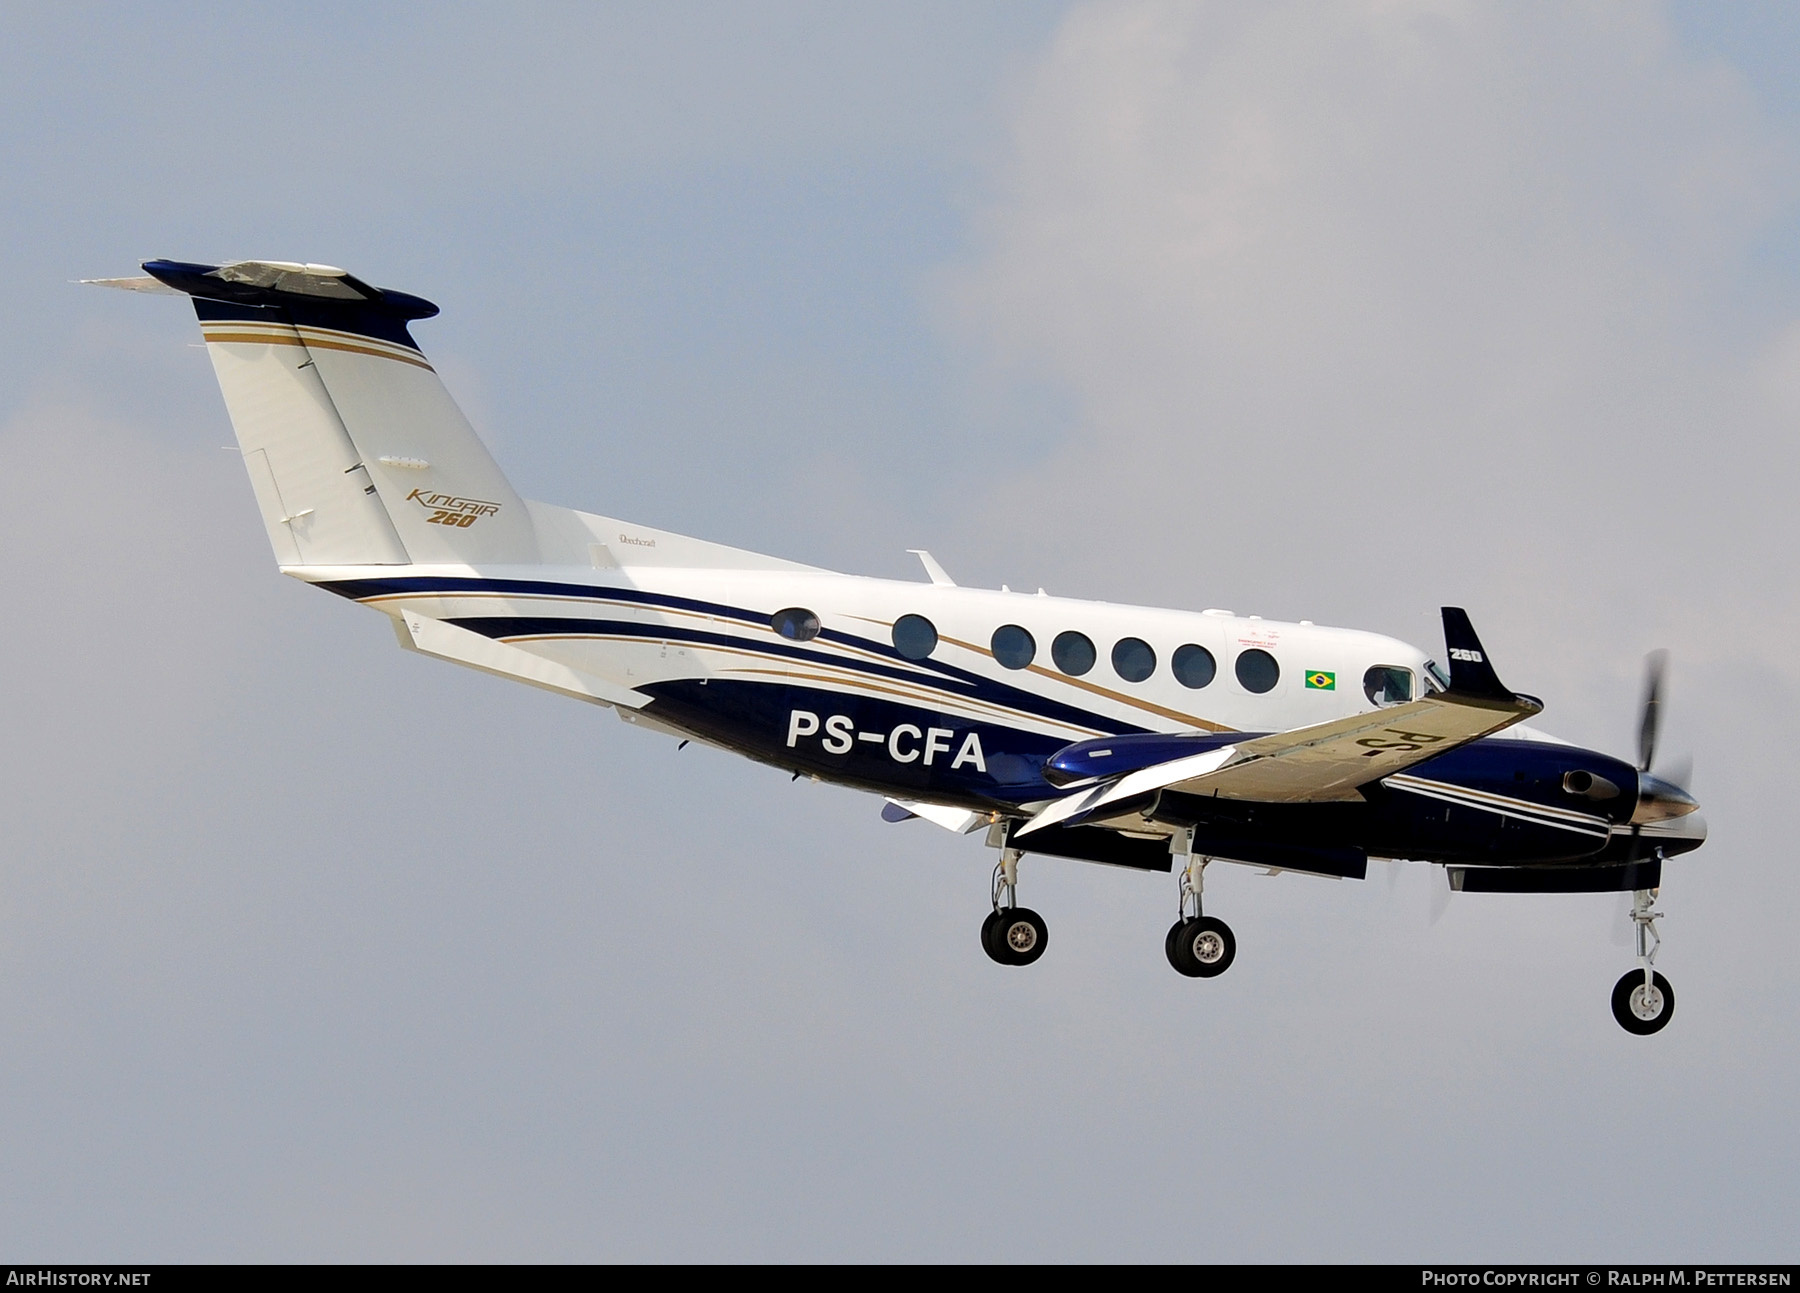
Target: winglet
[1471, 673]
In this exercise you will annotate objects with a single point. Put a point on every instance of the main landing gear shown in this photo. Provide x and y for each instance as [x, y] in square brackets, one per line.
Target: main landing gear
[1198, 945]
[1012, 935]
[1643, 1001]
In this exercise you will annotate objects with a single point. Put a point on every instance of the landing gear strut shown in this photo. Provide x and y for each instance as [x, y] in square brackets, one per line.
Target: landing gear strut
[1643, 1001]
[1012, 935]
[1198, 945]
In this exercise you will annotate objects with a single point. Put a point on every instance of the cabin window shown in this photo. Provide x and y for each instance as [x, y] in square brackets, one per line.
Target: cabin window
[1133, 660]
[796, 624]
[1013, 646]
[915, 637]
[1193, 666]
[1257, 671]
[1388, 684]
[1073, 652]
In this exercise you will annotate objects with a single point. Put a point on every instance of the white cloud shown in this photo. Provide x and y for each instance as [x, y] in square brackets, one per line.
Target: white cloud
[1362, 305]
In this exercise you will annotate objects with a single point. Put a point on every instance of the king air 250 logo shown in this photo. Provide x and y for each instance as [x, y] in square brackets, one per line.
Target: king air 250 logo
[903, 744]
[451, 509]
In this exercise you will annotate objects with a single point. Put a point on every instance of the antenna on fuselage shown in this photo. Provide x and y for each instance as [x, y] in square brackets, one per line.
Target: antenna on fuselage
[937, 574]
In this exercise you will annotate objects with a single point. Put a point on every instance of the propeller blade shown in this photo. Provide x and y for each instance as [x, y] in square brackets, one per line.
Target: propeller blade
[1680, 772]
[1655, 664]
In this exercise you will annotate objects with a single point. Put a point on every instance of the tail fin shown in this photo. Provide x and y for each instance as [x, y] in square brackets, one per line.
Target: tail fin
[357, 453]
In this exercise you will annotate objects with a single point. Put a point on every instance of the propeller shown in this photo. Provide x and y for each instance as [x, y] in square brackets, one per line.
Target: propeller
[1659, 797]
[1656, 665]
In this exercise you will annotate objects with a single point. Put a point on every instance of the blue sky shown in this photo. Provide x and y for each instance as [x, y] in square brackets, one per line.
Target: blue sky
[311, 949]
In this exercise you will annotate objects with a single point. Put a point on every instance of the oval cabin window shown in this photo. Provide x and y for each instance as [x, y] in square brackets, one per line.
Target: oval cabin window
[1073, 652]
[1013, 646]
[1133, 660]
[1257, 671]
[915, 637]
[1193, 666]
[796, 624]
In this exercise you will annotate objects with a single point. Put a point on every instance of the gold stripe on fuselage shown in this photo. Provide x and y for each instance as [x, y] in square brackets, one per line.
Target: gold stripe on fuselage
[943, 702]
[670, 612]
[1011, 712]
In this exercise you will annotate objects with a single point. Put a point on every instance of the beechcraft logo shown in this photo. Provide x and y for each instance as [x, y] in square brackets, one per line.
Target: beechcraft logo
[1319, 680]
[451, 509]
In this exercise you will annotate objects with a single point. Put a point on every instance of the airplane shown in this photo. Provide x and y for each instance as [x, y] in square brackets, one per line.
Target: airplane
[1155, 740]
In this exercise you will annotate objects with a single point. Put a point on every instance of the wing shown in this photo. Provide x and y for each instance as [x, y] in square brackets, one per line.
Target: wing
[1327, 761]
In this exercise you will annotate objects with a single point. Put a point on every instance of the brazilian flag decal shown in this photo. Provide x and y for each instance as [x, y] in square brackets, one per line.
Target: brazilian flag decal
[1319, 680]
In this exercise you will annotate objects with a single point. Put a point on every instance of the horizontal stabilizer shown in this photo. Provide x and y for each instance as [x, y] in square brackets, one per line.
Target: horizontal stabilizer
[291, 285]
[144, 283]
[448, 642]
[960, 820]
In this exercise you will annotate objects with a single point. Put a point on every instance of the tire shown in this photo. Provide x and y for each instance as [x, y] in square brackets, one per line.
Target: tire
[1207, 945]
[990, 942]
[1172, 948]
[1642, 1013]
[1021, 935]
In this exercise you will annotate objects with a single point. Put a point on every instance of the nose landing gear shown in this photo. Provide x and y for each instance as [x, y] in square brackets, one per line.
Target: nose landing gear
[1197, 945]
[1642, 1001]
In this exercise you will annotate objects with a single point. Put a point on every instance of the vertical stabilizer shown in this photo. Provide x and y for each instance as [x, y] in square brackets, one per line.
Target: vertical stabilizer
[319, 507]
[355, 449]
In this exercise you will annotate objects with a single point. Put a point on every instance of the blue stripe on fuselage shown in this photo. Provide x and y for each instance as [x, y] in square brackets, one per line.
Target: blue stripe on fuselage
[962, 684]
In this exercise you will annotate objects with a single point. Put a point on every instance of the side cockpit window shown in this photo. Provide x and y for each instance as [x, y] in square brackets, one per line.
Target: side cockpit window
[1388, 684]
[1435, 677]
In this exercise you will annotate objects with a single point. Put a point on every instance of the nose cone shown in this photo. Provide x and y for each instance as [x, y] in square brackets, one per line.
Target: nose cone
[1660, 800]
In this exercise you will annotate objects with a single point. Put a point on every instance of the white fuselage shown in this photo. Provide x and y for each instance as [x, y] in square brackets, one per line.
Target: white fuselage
[638, 615]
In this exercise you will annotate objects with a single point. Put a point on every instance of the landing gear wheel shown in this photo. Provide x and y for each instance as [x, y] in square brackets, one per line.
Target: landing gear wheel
[990, 942]
[1013, 935]
[1201, 947]
[1642, 1009]
[1019, 936]
[1169, 941]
